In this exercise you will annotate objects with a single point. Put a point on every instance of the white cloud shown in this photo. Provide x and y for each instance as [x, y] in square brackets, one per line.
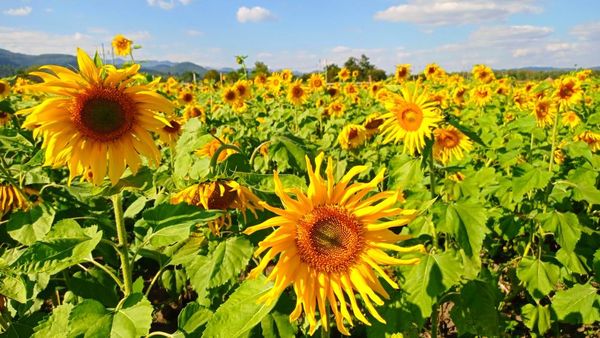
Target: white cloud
[254, 14]
[497, 34]
[39, 42]
[454, 12]
[21, 11]
[193, 32]
[167, 4]
[587, 31]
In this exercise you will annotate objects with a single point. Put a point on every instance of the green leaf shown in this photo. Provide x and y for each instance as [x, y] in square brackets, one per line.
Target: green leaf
[577, 305]
[14, 287]
[571, 261]
[28, 227]
[241, 311]
[94, 284]
[84, 315]
[538, 276]
[536, 317]
[529, 179]
[288, 152]
[404, 172]
[56, 254]
[225, 263]
[173, 223]
[565, 227]
[434, 275]
[583, 182]
[57, 324]
[466, 220]
[277, 325]
[474, 311]
[192, 318]
[136, 207]
[131, 320]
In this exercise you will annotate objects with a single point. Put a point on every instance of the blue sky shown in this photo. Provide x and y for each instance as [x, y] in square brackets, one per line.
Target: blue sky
[304, 35]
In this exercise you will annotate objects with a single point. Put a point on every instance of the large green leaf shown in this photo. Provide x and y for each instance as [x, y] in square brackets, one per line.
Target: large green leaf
[30, 226]
[466, 220]
[192, 318]
[435, 274]
[224, 263]
[538, 276]
[536, 317]
[404, 172]
[241, 311]
[565, 227]
[14, 287]
[131, 320]
[61, 249]
[172, 223]
[56, 325]
[577, 305]
[83, 316]
[277, 325]
[529, 179]
[474, 311]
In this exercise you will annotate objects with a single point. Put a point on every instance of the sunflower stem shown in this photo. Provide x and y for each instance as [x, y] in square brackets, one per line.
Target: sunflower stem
[117, 201]
[432, 175]
[553, 141]
[434, 320]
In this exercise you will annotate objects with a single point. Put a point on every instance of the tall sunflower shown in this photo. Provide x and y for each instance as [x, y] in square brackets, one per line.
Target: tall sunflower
[450, 144]
[99, 120]
[331, 243]
[410, 118]
[544, 111]
[402, 72]
[296, 93]
[121, 45]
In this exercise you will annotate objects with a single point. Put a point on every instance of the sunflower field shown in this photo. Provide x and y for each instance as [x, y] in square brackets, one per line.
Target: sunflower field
[428, 204]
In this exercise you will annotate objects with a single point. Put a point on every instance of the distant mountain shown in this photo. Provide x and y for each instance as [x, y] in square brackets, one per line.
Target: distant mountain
[11, 62]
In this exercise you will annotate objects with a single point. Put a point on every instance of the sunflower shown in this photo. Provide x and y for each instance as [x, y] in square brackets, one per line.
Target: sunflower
[449, 144]
[433, 72]
[591, 138]
[4, 89]
[352, 136]
[336, 108]
[544, 112]
[99, 118]
[372, 124]
[242, 89]
[186, 97]
[355, 74]
[260, 80]
[570, 119]
[481, 95]
[219, 195]
[316, 81]
[229, 95]
[410, 118]
[12, 198]
[4, 118]
[191, 111]
[331, 243]
[344, 74]
[583, 75]
[296, 93]
[483, 73]
[275, 81]
[402, 72]
[210, 149]
[287, 75]
[458, 96]
[333, 90]
[170, 134]
[567, 91]
[121, 45]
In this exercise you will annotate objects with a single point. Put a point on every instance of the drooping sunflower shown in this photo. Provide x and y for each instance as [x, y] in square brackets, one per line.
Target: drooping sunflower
[352, 136]
[99, 121]
[121, 45]
[186, 97]
[330, 243]
[170, 134]
[191, 111]
[402, 72]
[372, 124]
[544, 112]
[410, 118]
[591, 138]
[219, 195]
[450, 144]
[4, 89]
[296, 93]
[210, 149]
[11, 199]
[458, 96]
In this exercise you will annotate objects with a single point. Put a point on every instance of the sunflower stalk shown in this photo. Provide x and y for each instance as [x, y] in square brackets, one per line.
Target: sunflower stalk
[432, 175]
[117, 201]
[553, 148]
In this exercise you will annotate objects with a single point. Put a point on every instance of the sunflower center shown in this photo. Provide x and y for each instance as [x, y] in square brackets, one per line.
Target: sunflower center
[103, 114]
[410, 117]
[542, 110]
[352, 134]
[174, 128]
[2, 87]
[329, 239]
[448, 140]
[187, 97]
[221, 199]
[297, 92]
[374, 124]
[230, 95]
[566, 91]
[3, 114]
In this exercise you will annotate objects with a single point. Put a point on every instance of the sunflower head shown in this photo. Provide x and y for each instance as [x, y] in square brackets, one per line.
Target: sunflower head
[567, 91]
[192, 111]
[211, 148]
[316, 81]
[336, 108]
[352, 136]
[483, 73]
[450, 144]
[402, 72]
[544, 112]
[570, 119]
[99, 120]
[481, 95]
[121, 45]
[219, 195]
[591, 138]
[12, 198]
[372, 124]
[229, 95]
[344, 74]
[410, 118]
[296, 93]
[4, 89]
[330, 243]
[186, 97]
